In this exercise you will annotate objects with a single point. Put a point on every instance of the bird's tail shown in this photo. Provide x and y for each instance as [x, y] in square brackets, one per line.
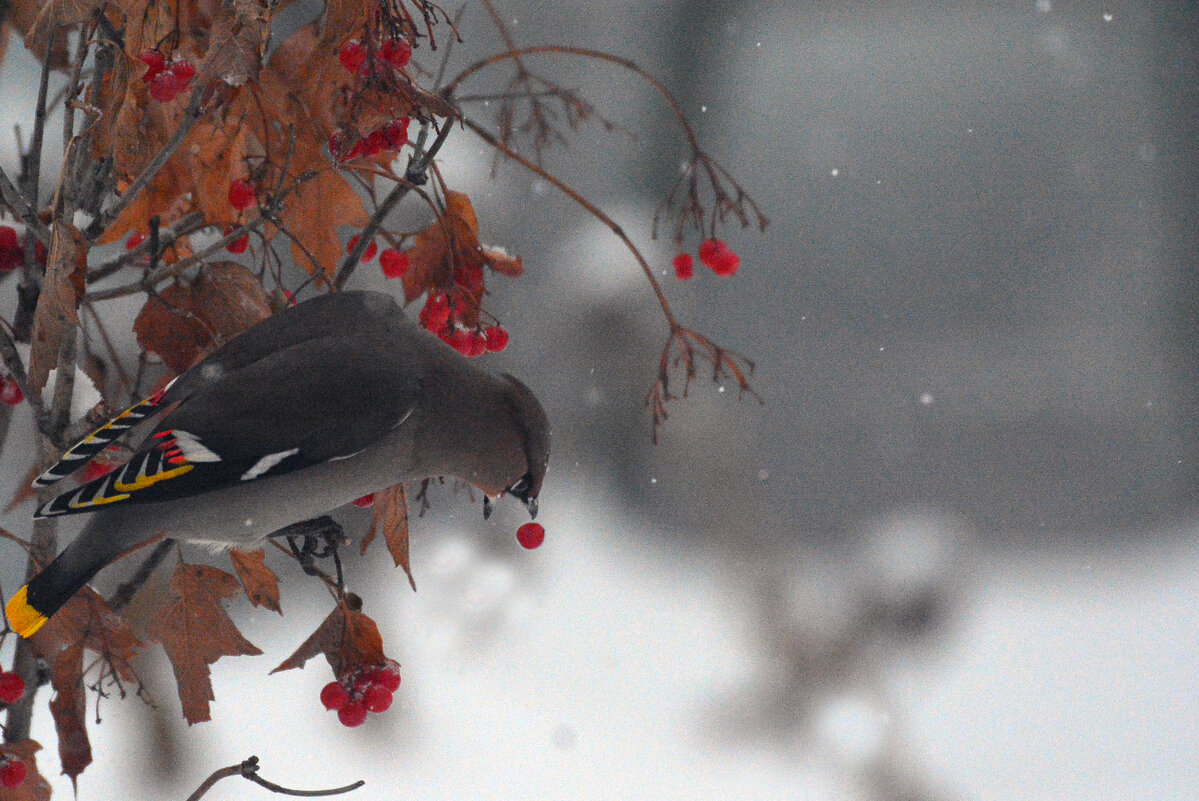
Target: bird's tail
[36, 602]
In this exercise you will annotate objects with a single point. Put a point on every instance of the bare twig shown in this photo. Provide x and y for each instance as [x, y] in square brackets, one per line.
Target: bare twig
[128, 588]
[22, 208]
[249, 770]
[414, 176]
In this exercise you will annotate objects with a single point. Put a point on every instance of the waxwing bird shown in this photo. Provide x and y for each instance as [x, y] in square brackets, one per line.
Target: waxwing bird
[325, 402]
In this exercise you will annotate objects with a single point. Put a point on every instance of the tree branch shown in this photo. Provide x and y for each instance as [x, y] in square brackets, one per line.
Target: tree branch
[249, 770]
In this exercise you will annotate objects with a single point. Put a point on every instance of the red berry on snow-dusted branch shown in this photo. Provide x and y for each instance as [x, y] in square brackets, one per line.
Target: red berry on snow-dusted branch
[370, 688]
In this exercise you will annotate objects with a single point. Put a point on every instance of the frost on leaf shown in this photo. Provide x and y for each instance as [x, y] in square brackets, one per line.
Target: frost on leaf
[391, 517]
[85, 623]
[259, 581]
[347, 638]
[195, 630]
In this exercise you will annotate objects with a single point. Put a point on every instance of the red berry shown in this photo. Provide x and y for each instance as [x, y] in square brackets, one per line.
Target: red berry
[364, 501]
[352, 56]
[394, 263]
[684, 266]
[460, 341]
[12, 687]
[530, 535]
[367, 254]
[398, 52]
[714, 253]
[241, 194]
[8, 239]
[377, 699]
[352, 714]
[395, 133]
[334, 696]
[10, 393]
[497, 338]
[155, 63]
[134, 240]
[183, 70]
[13, 773]
[436, 313]
[164, 87]
[239, 245]
[389, 678]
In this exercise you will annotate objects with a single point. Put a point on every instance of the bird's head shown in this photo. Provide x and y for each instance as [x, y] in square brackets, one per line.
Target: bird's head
[534, 430]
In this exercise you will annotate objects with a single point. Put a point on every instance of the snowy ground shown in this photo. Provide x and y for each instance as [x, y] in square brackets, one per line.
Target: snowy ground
[593, 668]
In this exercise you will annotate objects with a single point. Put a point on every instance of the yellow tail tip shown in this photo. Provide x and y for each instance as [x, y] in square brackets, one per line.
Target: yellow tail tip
[23, 618]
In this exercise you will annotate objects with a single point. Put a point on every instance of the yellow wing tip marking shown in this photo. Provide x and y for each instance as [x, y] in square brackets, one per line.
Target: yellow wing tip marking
[141, 482]
[23, 618]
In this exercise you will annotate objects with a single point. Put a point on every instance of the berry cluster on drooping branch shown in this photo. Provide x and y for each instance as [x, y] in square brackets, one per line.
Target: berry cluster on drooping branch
[199, 166]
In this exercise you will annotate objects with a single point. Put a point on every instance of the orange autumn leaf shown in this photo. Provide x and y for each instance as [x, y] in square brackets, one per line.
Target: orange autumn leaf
[196, 631]
[85, 623]
[391, 517]
[259, 581]
[35, 787]
[347, 638]
[446, 251]
[183, 322]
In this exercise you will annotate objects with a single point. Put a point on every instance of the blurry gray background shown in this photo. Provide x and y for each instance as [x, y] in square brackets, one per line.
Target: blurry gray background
[952, 555]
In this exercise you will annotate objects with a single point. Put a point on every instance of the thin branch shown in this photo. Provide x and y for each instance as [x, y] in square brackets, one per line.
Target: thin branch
[517, 53]
[128, 588]
[249, 770]
[414, 176]
[591, 208]
[190, 116]
[21, 208]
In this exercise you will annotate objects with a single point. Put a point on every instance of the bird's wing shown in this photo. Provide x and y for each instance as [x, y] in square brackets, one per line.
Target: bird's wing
[319, 399]
[351, 314]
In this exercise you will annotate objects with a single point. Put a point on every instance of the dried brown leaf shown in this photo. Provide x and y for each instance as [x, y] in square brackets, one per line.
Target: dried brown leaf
[183, 322]
[85, 622]
[236, 43]
[347, 638]
[58, 302]
[259, 581]
[391, 517]
[35, 787]
[195, 630]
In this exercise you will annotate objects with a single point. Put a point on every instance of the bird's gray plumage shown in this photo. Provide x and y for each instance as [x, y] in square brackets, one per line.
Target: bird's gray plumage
[323, 403]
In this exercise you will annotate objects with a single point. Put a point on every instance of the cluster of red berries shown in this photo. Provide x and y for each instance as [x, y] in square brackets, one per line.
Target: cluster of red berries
[12, 255]
[10, 392]
[167, 80]
[391, 136]
[367, 689]
[530, 535]
[713, 253]
[12, 772]
[443, 315]
[360, 58]
[12, 687]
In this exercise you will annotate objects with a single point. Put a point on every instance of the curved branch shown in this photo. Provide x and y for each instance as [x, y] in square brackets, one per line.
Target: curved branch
[591, 208]
[249, 770]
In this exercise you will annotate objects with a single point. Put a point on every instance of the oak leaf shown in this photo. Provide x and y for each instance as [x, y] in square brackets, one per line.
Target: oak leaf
[347, 638]
[185, 321]
[259, 581]
[195, 630]
[391, 517]
[35, 787]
